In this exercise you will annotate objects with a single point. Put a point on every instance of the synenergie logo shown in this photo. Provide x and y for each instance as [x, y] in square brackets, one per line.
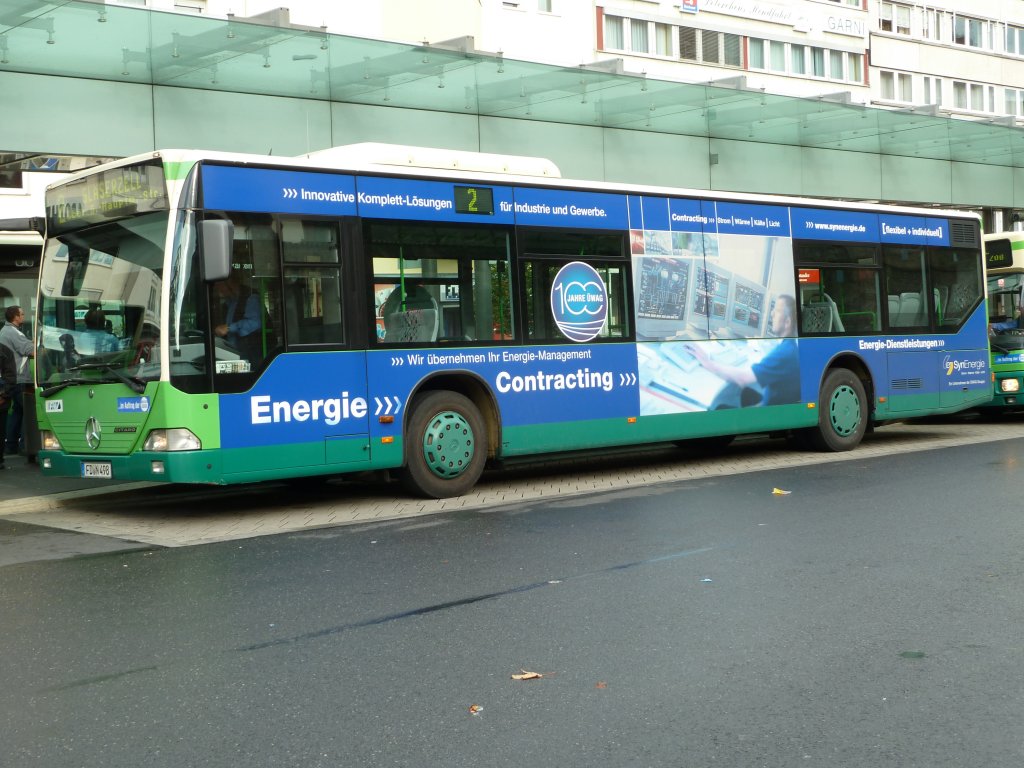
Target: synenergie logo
[579, 301]
[962, 366]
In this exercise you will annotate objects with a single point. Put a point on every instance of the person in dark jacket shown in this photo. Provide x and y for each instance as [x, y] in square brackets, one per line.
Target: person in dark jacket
[8, 385]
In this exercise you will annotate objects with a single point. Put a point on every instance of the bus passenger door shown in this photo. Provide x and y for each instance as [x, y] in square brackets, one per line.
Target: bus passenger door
[308, 409]
[348, 441]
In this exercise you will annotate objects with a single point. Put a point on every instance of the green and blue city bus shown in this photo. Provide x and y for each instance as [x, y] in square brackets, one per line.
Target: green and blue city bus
[1004, 259]
[412, 318]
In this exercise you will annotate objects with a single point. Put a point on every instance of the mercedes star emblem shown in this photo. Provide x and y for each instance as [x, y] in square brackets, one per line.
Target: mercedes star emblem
[92, 433]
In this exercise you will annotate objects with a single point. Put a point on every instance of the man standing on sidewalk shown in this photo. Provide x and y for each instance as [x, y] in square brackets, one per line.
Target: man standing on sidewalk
[12, 338]
[8, 384]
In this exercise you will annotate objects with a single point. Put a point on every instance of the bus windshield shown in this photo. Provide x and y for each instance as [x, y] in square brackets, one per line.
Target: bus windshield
[99, 303]
[1004, 310]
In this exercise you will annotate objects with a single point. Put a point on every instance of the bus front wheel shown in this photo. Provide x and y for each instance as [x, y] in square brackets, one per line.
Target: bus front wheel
[842, 412]
[445, 445]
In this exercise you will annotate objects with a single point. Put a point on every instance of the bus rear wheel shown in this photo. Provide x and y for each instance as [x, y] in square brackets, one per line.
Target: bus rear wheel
[842, 412]
[445, 445]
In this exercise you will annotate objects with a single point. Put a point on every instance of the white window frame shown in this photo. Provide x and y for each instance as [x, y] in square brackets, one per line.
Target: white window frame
[960, 97]
[700, 38]
[931, 24]
[619, 22]
[663, 38]
[1015, 33]
[895, 17]
[639, 28]
[1014, 99]
[969, 23]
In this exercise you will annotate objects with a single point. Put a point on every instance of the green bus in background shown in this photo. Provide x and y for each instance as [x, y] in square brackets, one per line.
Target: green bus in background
[1004, 261]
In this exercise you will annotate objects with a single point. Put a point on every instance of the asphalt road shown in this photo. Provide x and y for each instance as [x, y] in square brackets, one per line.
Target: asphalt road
[872, 616]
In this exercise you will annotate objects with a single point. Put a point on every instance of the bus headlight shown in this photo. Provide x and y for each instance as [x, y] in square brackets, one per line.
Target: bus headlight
[171, 440]
[1009, 385]
[49, 441]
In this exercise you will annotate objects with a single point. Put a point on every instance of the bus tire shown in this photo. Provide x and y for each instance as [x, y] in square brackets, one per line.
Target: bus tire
[842, 412]
[445, 445]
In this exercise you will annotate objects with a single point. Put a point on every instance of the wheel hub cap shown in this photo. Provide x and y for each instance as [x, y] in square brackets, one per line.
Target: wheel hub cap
[844, 411]
[448, 444]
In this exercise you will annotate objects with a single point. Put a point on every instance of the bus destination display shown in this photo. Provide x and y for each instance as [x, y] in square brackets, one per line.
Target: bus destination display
[474, 200]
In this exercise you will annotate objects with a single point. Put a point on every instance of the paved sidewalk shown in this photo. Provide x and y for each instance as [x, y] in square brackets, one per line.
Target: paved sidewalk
[24, 480]
[187, 515]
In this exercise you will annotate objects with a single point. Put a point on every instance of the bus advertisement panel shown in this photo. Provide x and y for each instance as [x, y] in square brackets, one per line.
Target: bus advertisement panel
[278, 321]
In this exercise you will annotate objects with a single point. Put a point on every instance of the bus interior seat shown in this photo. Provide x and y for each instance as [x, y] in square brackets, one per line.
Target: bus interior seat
[817, 317]
[837, 323]
[413, 325]
[911, 311]
[894, 307]
[420, 320]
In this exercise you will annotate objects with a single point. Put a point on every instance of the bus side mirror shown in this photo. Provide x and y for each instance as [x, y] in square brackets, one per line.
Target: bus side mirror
[217, 237]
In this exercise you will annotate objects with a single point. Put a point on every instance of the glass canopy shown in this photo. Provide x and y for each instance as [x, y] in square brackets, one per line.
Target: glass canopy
[268, 55]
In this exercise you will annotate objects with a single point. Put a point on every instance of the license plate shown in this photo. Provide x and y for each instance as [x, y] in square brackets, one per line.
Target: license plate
[100, 470]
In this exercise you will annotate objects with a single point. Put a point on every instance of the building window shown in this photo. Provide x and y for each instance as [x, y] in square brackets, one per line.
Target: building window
[755, 47]
[712, 47]
[663, 39]
[710, 50]
[931, 24]
[10, 179]
[895, 18]
[818, 62]
[933, 90]
[614, 38]
[969, 32]
[1014, 102]
[545, 5]
[1015, 40]
[904, 87]
[639, 42]
[836, 69]
[977, 97]
[798, 59]
[803, 61]
[887, 85]
[896, 86]
[959, 94]
[688, 44]
[855, 67]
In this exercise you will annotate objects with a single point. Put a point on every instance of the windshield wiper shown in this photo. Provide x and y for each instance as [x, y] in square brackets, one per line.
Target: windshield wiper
[66, 383]
[137, 385]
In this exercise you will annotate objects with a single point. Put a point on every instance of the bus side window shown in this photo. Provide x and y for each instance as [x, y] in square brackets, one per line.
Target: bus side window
[545, 252]
[905, 279]
[312, 283]
[839, 288]
[440, 283]
[957, 280]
